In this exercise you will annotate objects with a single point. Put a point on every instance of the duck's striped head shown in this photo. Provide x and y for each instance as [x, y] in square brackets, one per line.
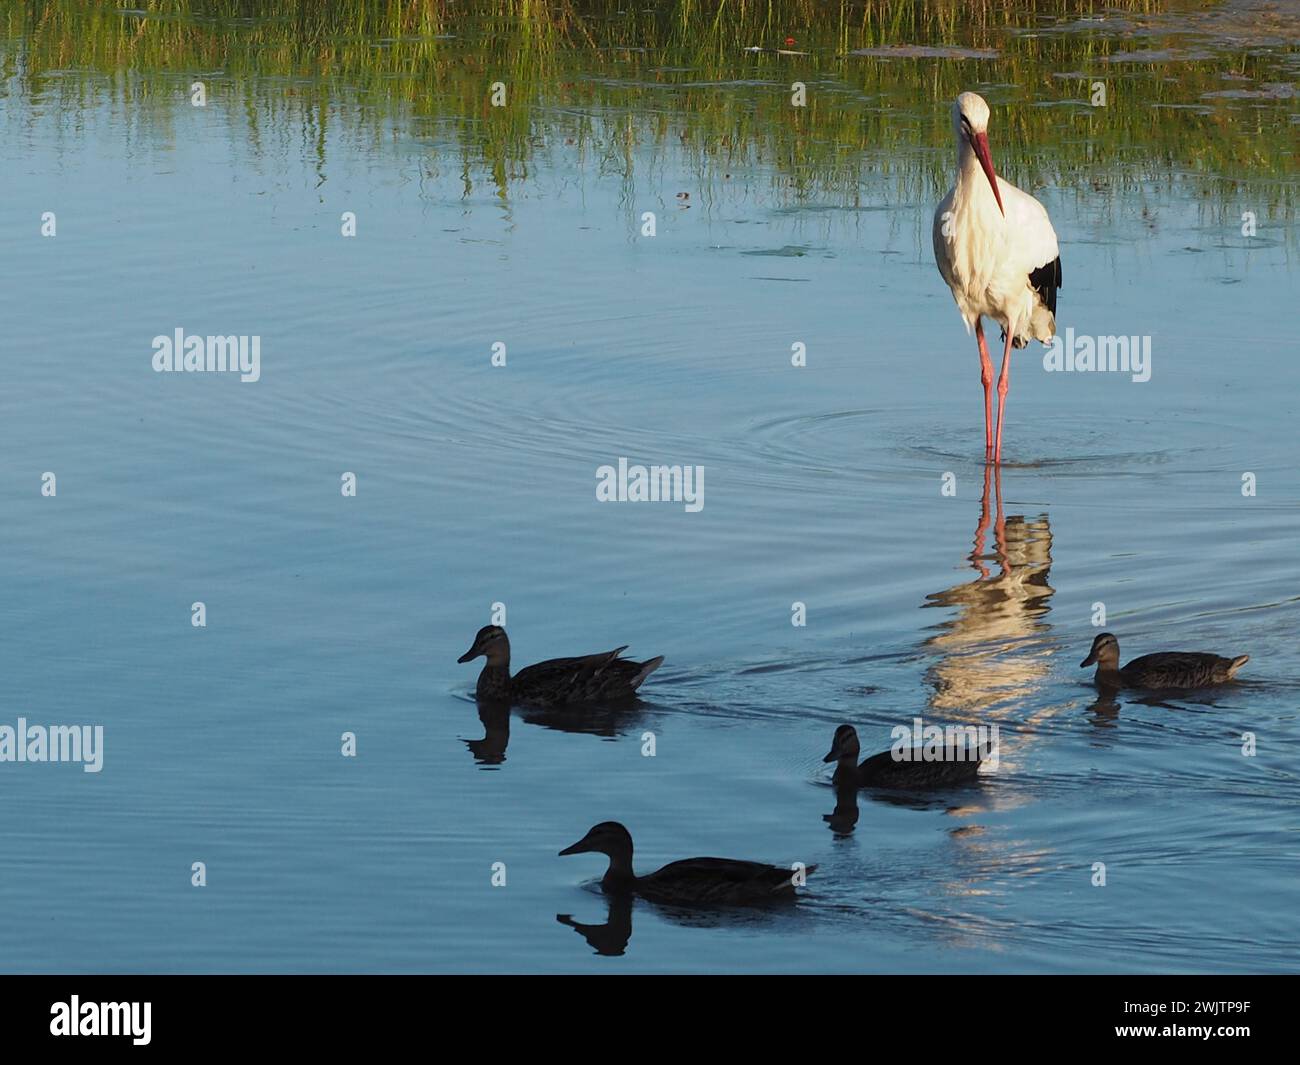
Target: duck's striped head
[491, 641]
[1105, 649]
[844, 745]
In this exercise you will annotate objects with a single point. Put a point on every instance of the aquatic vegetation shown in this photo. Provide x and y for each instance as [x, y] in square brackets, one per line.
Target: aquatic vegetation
[712, 79]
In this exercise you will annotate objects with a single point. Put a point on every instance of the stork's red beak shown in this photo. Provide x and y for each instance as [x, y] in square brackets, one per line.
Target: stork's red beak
[981, 145]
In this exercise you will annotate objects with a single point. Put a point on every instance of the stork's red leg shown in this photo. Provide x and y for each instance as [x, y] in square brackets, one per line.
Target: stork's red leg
[1004, 386]
[986, 376]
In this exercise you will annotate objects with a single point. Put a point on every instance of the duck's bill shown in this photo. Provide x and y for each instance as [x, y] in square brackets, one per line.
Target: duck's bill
[1092, 657]
[830, 757]
[577, 848]
[469, 655]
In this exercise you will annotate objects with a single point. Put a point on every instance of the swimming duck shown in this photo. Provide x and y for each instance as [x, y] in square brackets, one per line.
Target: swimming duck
[1164, 669]
[959, 765]
[559, 681]
[691, 882]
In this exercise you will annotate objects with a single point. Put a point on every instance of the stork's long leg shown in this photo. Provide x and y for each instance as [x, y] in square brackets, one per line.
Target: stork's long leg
[1004, 386]
[986, 376]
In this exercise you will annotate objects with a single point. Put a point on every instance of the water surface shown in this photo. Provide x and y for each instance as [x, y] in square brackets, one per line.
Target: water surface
[824, 485]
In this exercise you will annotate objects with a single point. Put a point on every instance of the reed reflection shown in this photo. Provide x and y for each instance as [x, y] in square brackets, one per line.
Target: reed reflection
[364, 70]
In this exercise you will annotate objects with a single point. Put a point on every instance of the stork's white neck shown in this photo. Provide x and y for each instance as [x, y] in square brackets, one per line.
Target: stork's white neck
[968, 166]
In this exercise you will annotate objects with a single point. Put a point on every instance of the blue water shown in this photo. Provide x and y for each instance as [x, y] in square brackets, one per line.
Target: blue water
[328, 614]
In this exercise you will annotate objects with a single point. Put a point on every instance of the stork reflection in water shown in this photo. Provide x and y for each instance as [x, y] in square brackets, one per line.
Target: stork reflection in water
[1002, 608]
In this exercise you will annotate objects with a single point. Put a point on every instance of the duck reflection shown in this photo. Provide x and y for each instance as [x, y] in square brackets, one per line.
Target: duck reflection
[844, 818]
[1105, 710]
[491, 749]
[595, 720]
[610, 938]
[1004, 605]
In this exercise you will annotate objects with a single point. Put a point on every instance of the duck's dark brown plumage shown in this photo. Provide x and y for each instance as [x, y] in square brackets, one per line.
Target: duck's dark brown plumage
[690, 882]
[1163, 669]
[594, 678]
[959, 765]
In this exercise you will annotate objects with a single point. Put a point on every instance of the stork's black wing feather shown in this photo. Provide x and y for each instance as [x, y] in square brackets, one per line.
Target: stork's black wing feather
[1045, 281]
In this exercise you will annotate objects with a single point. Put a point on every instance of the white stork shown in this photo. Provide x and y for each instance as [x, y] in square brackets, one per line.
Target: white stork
[996, 249]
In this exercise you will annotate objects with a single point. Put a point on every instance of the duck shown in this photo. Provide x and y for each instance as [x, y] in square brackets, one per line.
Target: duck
[959, 765]
[690, 882]
[1163, 669]
[601, 677]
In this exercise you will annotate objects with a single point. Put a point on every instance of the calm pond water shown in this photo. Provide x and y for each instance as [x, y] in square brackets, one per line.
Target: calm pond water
[523, 225]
